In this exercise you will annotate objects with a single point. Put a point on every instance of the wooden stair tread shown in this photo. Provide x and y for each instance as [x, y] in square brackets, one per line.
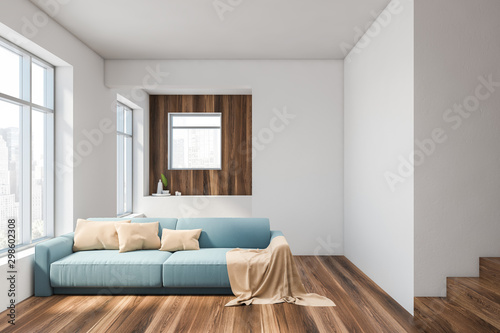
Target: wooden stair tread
[482, 286]
[438, 315]
[472, 304]
[477, 295]
[494, 259]
[489, 268]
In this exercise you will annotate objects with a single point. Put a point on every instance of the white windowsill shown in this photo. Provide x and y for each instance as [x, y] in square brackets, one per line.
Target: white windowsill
[132, 215]
[197, 196]
[20, 254]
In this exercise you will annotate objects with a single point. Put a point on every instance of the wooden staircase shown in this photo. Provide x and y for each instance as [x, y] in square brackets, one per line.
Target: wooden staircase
[471, 305]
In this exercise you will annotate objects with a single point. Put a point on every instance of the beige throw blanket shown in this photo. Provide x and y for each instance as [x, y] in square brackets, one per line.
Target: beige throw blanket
[268, 276]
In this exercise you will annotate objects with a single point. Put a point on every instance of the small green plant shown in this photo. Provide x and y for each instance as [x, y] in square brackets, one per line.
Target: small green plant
[164, 181]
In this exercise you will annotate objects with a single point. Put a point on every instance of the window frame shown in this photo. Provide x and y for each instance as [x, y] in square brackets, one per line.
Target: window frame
[131, 136]
[26, 109]
[170, 135]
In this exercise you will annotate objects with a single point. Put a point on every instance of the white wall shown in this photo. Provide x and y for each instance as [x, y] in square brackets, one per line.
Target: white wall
[92, 102]
[297, 175]
[457, 189]
[378, 129]
[86, 188]
[23, 281]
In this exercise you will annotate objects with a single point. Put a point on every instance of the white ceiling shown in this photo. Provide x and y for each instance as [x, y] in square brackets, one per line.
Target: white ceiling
[192, 29]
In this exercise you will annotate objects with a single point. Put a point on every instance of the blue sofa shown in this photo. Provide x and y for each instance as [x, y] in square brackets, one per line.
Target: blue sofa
[59, 270]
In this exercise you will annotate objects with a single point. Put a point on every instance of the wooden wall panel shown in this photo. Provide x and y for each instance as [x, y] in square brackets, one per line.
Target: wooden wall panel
[235, 178]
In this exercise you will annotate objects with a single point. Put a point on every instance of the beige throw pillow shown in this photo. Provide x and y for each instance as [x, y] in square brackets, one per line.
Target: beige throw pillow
[96, 235]
[179, 240]
[138, 236]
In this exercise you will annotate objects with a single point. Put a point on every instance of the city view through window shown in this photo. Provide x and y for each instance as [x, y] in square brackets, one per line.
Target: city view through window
[10, 169]
[25, 133]
[195, 141]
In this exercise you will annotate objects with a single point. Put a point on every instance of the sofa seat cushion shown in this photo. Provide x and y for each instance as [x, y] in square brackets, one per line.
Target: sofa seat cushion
[197, 268]
[108, 268]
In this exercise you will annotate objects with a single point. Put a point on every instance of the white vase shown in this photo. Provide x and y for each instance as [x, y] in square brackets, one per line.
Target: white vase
[159, 189]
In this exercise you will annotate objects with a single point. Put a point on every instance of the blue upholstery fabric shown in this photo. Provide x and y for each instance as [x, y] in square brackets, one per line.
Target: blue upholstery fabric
[168, 223]
[142, 291]
[70, 236]
[275, 233]
[59, 270]
[108, 268]
[229, 232]
[45, 254]
[197, 268]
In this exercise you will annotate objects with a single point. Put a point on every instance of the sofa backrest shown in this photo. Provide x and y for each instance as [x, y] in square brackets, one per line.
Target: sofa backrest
[229, 232]
[165, 222]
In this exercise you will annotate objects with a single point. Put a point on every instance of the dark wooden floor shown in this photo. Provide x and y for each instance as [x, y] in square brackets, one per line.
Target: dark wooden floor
[439, 315]
[361, 307]
[472, 304]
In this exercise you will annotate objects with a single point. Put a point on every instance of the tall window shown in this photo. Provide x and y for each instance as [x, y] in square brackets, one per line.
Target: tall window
[124, 159]
[26, 145]
[195, 141]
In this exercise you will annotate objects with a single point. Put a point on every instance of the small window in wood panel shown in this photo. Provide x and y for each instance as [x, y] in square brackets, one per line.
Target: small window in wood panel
[195, 141]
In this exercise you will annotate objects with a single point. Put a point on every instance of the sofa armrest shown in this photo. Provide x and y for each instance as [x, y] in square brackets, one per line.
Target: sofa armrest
[45, 254]
[276, 233]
